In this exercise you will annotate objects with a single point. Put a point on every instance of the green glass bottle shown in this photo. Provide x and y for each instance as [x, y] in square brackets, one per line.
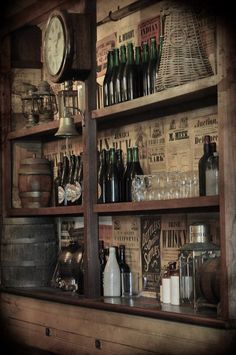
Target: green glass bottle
[121, 82]
[112, 183]
[139, 71]
[145, 61]
[113, 89]
[152, 66]
[130, 73]
[107, 78]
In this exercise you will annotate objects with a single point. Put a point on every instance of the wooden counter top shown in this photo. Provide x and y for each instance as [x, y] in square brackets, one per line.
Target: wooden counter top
[140, 306]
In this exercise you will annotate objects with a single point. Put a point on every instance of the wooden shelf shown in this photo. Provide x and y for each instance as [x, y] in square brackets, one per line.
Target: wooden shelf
[191, 204]
[41, 129]
[46, 211]
[193, 90]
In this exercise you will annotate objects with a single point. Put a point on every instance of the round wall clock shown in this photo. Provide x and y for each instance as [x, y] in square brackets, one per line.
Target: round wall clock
[64, 47]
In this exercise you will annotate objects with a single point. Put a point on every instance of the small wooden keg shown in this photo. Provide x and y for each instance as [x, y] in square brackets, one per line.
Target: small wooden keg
[35, 182]
[209, 280]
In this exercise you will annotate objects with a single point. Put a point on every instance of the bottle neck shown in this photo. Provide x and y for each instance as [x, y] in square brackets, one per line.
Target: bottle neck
[122, 254]
[145, 53]
[137, 55]
[123, 54]
[129, 156]
[112, 156]
[130, 58]
[116, 57]
[135, 155]
[109, 60]
[153, 49]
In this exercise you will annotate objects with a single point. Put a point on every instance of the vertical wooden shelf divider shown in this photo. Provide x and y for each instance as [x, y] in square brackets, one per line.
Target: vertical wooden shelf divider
[92, 266]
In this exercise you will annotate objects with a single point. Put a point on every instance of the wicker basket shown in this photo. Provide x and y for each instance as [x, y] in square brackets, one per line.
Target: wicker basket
[183, 58]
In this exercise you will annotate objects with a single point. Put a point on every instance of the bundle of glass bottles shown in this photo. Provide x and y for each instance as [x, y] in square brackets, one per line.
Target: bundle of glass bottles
[114, 177]
[133, 75]
[69, 181]
[117, 278]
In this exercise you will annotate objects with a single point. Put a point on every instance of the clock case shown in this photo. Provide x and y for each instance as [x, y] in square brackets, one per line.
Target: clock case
[76, 63]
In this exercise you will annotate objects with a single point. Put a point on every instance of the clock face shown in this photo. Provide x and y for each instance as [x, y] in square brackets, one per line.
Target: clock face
[54, 46]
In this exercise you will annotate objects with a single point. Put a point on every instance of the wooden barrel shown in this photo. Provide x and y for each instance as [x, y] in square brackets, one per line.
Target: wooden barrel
[208, 280]
[35, 182]
[28, 252]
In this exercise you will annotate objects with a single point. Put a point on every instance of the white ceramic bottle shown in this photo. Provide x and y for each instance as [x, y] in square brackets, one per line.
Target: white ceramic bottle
[111, 280]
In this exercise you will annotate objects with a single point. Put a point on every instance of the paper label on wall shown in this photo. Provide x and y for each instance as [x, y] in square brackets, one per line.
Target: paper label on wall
[150, 248]
[126, 231]
[103, 46]
[174, 235]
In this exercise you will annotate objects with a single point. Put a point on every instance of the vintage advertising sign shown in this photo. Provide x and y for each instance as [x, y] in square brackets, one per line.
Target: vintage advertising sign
[103, 46]
[150, 250]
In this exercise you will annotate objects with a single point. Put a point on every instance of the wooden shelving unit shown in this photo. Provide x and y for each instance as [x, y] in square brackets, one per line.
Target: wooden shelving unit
[214, 88]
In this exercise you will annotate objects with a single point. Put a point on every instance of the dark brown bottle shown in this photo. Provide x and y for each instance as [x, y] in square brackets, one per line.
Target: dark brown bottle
[79, 182]
[102, 261]
[69, 186]
[120, 171]
[57, 183]
[121, 79]
[135, 169]
[126, 179]
[75, 192]
[202, 165]
[102, 177]
[64, 179]
[124, 267]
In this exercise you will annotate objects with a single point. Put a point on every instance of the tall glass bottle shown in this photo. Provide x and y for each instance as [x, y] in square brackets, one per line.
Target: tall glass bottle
[75, 190]
[112, 183]
[111, 280]
[124, 267]
[69, 185]
[130, 73]
[124, 270]
[212, 174]
[145, 61]
[113, 87]
[152, 65]
[127, 177]
[57, 183]
[64, 178]
[102, 261]
[120, 171]
[202, 165]
[107, 78]
[139, 71]
[79, 182]
[121, 82]
[135, 169]
[102, 177]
